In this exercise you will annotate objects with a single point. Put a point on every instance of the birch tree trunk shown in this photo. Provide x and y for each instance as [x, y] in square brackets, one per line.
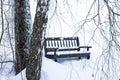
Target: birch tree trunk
[35, 57]
[22, 26]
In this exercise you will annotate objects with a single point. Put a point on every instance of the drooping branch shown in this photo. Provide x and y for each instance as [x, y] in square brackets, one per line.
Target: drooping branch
[2, 21]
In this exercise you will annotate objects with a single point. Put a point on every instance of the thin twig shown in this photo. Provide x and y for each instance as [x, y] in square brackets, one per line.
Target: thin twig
[6, 61]
[2, 21]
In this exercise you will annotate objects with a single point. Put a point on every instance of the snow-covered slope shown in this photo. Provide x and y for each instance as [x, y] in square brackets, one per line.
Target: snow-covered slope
[66, 70]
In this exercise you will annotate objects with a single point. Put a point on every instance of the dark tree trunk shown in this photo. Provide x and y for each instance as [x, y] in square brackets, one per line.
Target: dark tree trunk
[35, 57]
[22, 27]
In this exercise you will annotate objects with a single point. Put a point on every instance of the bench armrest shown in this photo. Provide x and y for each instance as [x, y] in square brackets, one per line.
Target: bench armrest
[87, 47]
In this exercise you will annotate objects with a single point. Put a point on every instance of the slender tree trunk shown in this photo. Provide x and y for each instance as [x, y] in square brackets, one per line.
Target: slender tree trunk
[35, 57]
[22, 26]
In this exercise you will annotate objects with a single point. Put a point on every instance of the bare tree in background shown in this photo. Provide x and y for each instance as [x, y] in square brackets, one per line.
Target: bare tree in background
[22, 27]
[105, 16]
[33, 69]
[110, 30]
[6, 28]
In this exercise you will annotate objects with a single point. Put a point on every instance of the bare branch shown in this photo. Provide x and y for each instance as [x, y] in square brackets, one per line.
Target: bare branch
[2, 21]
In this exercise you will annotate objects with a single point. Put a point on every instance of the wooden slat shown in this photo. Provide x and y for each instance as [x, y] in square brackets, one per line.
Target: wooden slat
[51, 43]
[64, 44]
[48, 43]
[74, 43]
[54, 43]
[57, 43]
[69, 43]
[61, 43]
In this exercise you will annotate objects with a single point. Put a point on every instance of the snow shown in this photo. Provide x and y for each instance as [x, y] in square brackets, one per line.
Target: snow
[51, 70]
[61, 26]
[68, 70]
[69, 52]
[20, 76]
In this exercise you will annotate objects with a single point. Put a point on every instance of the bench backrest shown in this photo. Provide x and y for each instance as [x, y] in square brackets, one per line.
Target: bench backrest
[61, 42]
[57, 42]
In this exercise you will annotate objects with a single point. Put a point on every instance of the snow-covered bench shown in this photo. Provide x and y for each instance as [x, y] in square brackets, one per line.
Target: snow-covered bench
[54, 47]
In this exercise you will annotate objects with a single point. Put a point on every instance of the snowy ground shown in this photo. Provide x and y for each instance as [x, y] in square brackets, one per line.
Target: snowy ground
[68, 70]
[51, 70]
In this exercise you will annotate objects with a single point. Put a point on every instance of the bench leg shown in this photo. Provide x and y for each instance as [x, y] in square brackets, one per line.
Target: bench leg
[88, 57]
[79, 57]
[55, 57]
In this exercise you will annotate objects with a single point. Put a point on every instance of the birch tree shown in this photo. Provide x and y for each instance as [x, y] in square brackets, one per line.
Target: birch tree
[22, 26]
[35, 56]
